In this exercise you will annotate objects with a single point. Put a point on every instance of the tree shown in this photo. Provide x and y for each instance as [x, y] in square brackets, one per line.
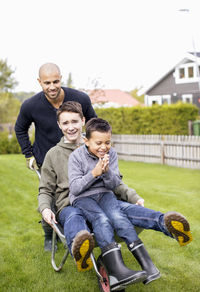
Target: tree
[9, 107]
[69, 81]
[23, 95]
[134, 93]
[96, 91]
[7, 81]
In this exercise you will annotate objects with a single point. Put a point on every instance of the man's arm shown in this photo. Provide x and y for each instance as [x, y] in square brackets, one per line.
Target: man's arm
[22, 125]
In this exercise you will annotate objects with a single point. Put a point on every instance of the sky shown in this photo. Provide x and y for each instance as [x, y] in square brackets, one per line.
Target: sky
[122, 44]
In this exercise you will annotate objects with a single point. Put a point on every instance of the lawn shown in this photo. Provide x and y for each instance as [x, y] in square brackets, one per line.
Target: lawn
[24, 266]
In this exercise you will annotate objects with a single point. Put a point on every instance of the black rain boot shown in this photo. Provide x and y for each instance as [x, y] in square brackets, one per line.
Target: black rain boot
[140, 253]
[48, 231]
[119, 274]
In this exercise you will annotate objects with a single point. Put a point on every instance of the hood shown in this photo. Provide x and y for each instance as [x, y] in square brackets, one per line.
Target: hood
[69, 146]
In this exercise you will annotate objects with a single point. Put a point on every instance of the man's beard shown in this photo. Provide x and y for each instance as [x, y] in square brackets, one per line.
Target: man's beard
[54, 97]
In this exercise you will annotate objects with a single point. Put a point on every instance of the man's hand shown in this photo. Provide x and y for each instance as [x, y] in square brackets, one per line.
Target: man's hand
[31, 163]
[48, 215]
[140, 202]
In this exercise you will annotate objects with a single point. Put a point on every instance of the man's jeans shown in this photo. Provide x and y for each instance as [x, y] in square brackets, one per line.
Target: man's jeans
[73, 220]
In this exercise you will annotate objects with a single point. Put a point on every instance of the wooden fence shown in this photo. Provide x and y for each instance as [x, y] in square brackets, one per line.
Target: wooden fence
[180, 151]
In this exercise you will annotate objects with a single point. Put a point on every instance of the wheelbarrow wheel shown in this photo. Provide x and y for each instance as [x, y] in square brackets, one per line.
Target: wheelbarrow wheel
[103, 285]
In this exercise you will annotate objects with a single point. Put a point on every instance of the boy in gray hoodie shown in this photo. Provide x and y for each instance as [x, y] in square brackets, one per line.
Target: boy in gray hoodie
[93, 175]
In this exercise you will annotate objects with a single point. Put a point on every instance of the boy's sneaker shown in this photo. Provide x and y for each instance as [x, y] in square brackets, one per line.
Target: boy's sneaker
[179, 227]
[82, 247]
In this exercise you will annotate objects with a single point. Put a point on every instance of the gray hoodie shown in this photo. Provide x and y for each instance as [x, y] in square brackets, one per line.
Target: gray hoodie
[81, 181]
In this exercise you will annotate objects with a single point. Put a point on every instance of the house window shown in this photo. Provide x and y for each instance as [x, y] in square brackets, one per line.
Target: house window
[166, 99]
[157, 99]
[181, 73]
[187, 98]
[190, 72]
[186, 73]
[153, 99]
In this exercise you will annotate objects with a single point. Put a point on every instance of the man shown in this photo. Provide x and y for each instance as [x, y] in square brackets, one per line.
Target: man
[41, 109]
[54, 186]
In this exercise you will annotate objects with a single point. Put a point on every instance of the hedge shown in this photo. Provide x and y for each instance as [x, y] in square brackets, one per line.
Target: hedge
[8, 144]
[165, 119]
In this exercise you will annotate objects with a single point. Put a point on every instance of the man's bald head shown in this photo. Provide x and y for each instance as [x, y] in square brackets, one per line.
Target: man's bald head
[50, 81]
[49, 69]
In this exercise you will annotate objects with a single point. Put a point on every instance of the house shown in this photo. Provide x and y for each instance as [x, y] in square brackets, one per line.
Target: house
[111, 98]
[181, 83]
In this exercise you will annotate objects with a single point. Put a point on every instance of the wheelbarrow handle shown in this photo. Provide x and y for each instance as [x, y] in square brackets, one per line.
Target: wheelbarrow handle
[38, 173]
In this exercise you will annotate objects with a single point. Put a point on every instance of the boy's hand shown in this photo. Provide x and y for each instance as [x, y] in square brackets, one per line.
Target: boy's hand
[105, 163]
[98, 170]
[140, 202]
[48, 215]
[102, 166]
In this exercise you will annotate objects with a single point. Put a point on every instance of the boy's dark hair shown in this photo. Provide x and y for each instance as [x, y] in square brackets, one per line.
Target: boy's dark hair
[70, 106]
[97, 124]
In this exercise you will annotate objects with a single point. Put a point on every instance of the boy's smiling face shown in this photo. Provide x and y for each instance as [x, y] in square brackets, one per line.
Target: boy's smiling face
[99, 143]
[71, 125]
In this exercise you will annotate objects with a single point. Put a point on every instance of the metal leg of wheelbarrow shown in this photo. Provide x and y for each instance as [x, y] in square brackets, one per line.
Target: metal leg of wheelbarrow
[95, 267]
[56, 231]
[103, 278]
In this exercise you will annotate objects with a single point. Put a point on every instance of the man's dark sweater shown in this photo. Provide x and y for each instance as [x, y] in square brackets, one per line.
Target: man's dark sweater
[38, 110]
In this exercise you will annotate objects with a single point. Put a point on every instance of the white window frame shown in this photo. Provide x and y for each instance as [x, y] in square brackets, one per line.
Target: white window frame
[186, 79]
[187, 96]
[166, 97]
[149, 99]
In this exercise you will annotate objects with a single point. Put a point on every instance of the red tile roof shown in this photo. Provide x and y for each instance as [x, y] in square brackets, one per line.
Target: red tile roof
[112, 95]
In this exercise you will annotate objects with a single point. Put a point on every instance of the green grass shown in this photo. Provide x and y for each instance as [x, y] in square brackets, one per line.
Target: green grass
[25, 267]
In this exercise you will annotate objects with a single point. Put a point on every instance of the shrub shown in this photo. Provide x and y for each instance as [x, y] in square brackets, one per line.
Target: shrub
[165, 119]
[8, 144]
